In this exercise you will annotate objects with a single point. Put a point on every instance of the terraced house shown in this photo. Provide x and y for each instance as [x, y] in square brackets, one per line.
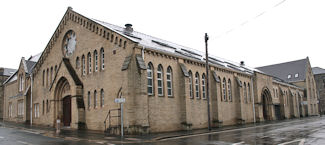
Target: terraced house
[88, 63]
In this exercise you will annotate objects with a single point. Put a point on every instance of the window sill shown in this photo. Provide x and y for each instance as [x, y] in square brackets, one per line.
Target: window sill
[161, 96]
[171, 97]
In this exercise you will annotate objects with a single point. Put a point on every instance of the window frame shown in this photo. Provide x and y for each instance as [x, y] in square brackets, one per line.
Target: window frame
[160, 80]
[197, 85]
[229, 87]
[95, 61]
[150, 70]
[190, 77]
[224, 90]
[203, 86]
[169, 81]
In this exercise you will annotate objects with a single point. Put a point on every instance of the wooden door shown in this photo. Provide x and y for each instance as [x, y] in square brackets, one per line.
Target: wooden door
[67, 111]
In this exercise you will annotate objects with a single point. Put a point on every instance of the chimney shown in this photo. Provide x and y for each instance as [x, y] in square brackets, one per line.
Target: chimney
[242, 63]
[128, 28]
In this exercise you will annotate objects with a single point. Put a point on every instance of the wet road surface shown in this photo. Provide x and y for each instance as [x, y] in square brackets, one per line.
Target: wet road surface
[309, 131]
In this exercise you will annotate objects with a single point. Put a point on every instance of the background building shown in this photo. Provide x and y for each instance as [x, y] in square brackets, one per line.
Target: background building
[4, 74]
[319, 74]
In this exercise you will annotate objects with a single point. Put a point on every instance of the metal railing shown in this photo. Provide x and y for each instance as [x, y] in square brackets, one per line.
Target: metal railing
[110, 116]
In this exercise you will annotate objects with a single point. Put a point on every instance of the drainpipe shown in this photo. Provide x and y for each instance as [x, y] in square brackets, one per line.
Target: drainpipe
[31, 100]
[142, 52]
[252, 96]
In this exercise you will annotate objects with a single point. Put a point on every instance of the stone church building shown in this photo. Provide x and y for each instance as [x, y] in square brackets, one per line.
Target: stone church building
[88, 63]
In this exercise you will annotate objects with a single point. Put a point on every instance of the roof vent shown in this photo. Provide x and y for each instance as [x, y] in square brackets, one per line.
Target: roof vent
[128, 28]
[242, 63]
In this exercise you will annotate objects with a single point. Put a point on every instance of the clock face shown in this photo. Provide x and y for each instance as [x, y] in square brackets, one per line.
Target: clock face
[69, 43]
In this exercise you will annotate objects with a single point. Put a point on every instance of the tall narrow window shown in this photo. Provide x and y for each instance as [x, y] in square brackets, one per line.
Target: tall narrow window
[102, 55]
[51, 79]
[77, 63]
[245, 93]
[43, 80]
[47, 78]
[160, 83]
[150, 79]
[249, 92]
[96, 60]
[229, 90]
[169, 81]
[47, 106]
[89, 63]
[95, 99]
[190, 82]
[55, 68]
[43, 108]
[203, 87]
[102, 98]
[89, 99]
[224, 89]
[83, 65]
[197, 89]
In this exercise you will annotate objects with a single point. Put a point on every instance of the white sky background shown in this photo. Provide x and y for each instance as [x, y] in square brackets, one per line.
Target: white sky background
[293, 30]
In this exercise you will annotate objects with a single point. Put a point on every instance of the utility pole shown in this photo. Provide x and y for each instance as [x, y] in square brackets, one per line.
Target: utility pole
[206, 38]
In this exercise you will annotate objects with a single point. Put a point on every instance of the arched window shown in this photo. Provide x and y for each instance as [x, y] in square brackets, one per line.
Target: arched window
[47, 106]
[120, 43]
[102, 57]
[96, 60]
[124, 45]
[112, 38]
[116, 39]
[160, 82]
[169, 81]
[51, 79]
[47, 77]
[77, 63]
[43, 77]
[197, 84]
[83, 65]
[102, 98]
[203, 87]
[190, 82]
[95, 99]
[249, 92]
[224, 89]
[89, 63]
[229, 90]
[89, 99]
[245, 92]
[150, 78]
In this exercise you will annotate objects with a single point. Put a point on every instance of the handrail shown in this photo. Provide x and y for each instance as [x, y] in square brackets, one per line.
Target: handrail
[109, 116]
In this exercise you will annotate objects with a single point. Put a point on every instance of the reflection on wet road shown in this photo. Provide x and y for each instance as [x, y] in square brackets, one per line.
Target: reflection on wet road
[296, 132]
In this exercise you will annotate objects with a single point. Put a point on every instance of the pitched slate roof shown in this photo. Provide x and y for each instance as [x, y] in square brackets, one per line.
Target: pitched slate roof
[151, 42]
[318, 70]
[7, 72]
[283, 70]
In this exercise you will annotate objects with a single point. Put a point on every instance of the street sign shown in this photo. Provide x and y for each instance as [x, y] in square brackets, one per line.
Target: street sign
[119, 100]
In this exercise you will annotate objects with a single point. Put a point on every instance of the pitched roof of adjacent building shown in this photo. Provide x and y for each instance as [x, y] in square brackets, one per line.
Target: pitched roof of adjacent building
[318, 70]
[28, 67]
[292, 71]
[7, 72]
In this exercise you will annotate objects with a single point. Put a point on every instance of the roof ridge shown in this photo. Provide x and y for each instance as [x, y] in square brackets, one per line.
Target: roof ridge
[282, 63]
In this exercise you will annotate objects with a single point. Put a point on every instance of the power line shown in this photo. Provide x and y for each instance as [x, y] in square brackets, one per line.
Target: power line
[249, 20]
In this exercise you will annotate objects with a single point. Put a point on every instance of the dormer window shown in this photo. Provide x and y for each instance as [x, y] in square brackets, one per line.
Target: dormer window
[296, 75]
[289, 76]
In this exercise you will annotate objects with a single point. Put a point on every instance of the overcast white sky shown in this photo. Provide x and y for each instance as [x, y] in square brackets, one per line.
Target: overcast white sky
[259, 32]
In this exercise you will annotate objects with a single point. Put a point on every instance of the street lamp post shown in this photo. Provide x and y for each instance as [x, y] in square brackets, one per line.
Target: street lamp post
[206, 38]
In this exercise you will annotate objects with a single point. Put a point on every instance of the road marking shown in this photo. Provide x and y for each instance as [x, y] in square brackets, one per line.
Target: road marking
[1, 137]
[30, 132]
[301, 142]
[23, 142]
[238, 143]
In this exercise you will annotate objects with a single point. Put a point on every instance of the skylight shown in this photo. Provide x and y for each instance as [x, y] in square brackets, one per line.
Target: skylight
[289, 76]
[296, 75]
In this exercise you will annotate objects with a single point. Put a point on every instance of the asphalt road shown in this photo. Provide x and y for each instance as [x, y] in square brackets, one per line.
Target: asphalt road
[310, 131]
[290, 132]
[14, 136]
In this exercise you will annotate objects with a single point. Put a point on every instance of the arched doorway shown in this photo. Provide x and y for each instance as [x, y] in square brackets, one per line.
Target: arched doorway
[62, 103]
[267, 104]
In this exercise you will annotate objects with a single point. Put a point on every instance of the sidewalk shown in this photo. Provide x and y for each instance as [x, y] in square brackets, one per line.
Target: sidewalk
[101, 137]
